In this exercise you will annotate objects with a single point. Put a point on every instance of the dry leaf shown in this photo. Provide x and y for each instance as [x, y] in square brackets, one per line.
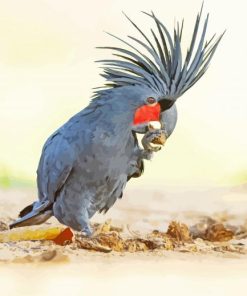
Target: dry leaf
[179, 232]
[162, 240]
[25, 234]
[137, 245]
[64, 238]
[208, 236]
[105, 227]
[92, 245]
[111, 240]
[218, 233]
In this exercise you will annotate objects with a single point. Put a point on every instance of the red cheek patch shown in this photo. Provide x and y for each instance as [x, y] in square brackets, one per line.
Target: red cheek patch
[147, 113]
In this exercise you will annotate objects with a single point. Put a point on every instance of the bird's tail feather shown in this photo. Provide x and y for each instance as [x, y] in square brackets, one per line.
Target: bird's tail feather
[34, 214]
[26, 210]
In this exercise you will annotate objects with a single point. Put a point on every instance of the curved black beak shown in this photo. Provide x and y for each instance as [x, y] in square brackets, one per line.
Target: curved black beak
[166, 104]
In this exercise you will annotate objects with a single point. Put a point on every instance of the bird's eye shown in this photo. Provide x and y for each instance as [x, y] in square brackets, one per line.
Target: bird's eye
[151, 101]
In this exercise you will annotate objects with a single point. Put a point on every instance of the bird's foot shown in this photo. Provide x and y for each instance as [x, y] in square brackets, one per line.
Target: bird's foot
[87, 231]
[146, 154]
[135, 169]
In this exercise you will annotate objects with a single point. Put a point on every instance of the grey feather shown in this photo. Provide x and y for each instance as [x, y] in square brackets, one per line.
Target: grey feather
[165, 70]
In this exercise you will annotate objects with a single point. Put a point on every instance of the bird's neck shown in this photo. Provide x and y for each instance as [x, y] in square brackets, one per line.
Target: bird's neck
[115, 113]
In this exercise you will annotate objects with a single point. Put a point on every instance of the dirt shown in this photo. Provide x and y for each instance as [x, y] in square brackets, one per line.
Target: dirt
[145, 245]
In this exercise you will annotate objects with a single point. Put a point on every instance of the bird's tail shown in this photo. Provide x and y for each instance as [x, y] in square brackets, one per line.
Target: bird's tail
[34, 214]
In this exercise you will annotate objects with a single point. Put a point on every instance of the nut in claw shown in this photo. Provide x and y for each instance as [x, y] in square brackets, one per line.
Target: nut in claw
[160, 139]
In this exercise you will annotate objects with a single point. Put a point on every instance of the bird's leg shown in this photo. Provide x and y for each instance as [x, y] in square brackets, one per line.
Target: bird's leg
[87, 231]
[146, 154]
[151, 142]
[135, 169]
[153, 139]
[82, 221]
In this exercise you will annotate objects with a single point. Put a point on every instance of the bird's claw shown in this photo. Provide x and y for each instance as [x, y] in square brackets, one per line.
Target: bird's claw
[87, 231]
[153, 140]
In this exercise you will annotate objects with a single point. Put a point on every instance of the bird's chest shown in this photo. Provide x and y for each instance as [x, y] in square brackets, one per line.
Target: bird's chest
[114, 143]
[108, 152]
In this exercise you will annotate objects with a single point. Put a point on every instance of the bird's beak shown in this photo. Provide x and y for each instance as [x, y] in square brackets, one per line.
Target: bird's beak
[154, 125]
[165, 104]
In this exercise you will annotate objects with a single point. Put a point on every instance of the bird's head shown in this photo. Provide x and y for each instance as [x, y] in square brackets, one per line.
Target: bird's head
[149, 75]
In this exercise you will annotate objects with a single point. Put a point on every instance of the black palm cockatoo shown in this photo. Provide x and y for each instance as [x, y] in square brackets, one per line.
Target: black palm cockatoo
[87, 162]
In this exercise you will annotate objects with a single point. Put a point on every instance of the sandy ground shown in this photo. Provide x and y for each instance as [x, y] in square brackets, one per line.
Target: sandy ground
[81, 272]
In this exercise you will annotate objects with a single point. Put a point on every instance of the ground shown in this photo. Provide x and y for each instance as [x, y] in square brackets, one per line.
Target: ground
[191, 267]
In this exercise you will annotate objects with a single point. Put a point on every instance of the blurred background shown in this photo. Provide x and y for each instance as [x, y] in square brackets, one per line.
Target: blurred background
[47, 70]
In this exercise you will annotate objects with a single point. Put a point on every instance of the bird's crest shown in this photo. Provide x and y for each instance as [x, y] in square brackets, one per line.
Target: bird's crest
[162, 68]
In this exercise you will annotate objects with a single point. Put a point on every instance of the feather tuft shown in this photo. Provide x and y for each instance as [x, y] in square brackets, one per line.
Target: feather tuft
[159, 63]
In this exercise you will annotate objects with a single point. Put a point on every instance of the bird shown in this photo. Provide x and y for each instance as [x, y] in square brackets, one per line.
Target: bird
[86, 163]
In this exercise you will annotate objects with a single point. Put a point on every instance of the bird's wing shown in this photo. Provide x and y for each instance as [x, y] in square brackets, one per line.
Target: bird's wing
[55, 166]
